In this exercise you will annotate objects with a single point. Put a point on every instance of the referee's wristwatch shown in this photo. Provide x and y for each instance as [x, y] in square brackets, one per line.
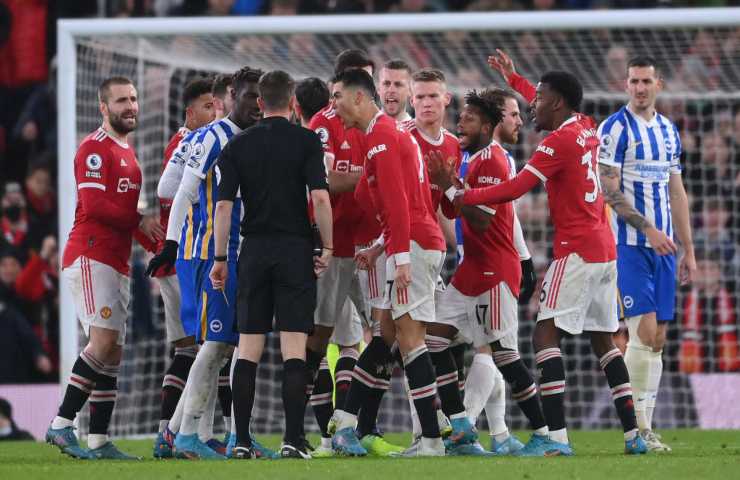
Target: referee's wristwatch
[219, 258]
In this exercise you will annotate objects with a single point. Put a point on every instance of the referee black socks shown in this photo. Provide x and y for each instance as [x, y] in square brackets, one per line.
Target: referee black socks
[242, 388]
[294, 394]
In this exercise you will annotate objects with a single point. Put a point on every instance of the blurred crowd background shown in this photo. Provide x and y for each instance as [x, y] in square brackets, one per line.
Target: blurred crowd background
[706, 70]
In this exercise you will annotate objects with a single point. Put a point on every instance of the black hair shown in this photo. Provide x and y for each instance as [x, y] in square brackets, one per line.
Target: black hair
[486, 103]
[312, 95]
[357, 78]
[245, 75]
[352, 58]
[195, 88]
[643, 61]
[567, 86]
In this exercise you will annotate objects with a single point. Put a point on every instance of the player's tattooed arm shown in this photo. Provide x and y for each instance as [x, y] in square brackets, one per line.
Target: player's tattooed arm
[609, 177]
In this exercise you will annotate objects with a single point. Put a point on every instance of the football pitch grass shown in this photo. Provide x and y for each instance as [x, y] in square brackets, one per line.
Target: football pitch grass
[697, 455]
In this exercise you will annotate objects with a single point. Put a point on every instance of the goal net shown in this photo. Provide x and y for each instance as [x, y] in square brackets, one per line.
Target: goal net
[698, 50]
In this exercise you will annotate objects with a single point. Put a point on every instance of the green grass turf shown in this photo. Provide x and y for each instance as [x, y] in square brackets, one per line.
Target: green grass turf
[697, 455]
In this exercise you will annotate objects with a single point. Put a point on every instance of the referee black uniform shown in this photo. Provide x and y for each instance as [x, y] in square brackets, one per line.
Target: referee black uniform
[273, 163]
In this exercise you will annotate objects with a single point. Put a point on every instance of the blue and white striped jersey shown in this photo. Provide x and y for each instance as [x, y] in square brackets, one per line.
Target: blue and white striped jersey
[202, 163]
[647, 154]
[190, 227]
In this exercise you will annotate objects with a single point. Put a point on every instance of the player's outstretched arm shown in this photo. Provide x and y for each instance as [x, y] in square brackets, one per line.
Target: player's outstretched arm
[609, 177]
[503, 192]
[680, 211]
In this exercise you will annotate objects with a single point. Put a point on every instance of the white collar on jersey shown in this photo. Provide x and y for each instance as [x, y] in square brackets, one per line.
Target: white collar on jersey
[122, 144]
[653, 121]
[436, 142]
[372, 122]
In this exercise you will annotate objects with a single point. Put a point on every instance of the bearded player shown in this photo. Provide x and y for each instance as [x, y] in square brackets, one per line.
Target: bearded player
[579, 290]
[95, 263]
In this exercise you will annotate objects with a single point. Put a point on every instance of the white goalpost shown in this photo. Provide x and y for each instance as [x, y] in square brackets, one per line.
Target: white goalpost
[161, 54]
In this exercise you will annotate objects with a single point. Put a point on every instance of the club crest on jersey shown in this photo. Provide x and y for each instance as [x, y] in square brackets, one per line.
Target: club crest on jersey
[376, 150]
[94, 161]
[182, 152]
[323, 134]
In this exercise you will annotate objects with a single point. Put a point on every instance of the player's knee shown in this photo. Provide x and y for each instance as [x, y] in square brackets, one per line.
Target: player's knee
[643, 331]
[545, 335]
[601, 343]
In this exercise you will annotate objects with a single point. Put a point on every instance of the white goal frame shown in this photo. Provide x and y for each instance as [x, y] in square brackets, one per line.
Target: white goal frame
[68, 30]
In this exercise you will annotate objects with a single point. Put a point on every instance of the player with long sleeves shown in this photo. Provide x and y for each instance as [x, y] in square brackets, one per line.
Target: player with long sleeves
[399, 191]
[579, 289]
[169, 183]
[216, 307]
[481, 302]
[95, 263]
[199, 111]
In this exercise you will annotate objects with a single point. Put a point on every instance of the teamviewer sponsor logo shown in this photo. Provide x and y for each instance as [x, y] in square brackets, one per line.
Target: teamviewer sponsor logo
[124, 185]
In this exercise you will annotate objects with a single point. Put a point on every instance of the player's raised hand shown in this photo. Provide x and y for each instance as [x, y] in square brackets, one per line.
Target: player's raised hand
[218, 275]
[164, 259]
[403, 275]
[150, 226]
[687, 268]
[441, 170]
[660, 242]
[502, 63]
[367, 257]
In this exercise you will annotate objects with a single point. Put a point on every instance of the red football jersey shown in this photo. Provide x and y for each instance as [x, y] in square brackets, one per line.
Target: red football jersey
[344, 148]
[108, 185]
[447, 143]
[565, 160]
[490, 257]
[399, 189]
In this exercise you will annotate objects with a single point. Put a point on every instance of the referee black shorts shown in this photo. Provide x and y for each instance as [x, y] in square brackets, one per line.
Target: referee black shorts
[276, 281]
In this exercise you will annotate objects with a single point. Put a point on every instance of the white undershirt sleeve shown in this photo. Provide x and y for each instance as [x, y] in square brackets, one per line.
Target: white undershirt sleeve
[519, 243]
[187, 194]
[170, 180]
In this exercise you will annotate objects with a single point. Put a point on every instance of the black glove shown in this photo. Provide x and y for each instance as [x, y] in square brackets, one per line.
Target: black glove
[164, 259]
[529, 281]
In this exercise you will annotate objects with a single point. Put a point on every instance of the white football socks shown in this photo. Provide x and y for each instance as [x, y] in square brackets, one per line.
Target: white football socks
[203, 376]
[479, 384]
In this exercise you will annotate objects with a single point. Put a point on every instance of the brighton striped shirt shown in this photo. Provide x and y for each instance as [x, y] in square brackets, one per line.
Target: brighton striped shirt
[646, 153]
